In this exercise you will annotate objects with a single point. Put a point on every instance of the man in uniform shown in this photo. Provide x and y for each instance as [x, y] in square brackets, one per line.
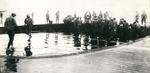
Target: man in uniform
[100, 15]
[57, 17]
[47, 17]
[143, 17]
[28, 23]
[114, 27]
[10, 25]
[137, 17]
[106, 16]
[87, 17]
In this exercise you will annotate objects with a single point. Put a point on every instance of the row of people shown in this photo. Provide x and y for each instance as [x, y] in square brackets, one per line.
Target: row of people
[90, 18]
[110, 29]
[48, 17]
[143, 17]
[87, 17]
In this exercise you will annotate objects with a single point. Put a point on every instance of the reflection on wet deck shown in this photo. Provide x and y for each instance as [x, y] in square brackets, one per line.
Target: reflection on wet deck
[53, 43]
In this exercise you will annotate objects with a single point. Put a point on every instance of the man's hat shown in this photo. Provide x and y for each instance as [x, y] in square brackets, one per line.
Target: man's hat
[28, 15]
[13, 14]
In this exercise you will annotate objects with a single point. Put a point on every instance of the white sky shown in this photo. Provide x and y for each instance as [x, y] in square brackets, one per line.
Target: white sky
[116, 8]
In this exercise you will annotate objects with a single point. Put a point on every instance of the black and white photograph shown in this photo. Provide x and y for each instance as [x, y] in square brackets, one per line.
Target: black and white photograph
[74, 36]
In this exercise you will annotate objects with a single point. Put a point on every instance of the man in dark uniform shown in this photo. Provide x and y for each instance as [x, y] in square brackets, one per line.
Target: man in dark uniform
[106, 16]
[100, 15]
[10, 25]
[114, 27]
[28, 23]
[47, 17]
[57, 17]
[143, 17]
[137, 17]
[125, 31]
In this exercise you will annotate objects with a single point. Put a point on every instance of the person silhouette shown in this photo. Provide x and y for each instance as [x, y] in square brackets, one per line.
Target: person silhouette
[10, 25]
[143, 17]
[28, 23]
[47, 17]
[57, 17]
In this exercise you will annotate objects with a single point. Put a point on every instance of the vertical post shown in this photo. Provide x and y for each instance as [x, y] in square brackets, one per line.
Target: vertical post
[1, 16]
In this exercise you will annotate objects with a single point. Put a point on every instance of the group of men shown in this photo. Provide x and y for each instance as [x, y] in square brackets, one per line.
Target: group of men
[93, 18]
[104, 16]
[10, 26]
[48, 17]
[143, 17]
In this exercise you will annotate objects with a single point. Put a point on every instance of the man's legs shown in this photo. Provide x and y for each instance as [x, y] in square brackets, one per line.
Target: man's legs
[11, 35]
[9, 42]
[57, 20]
[47, 20]
[29, 30]
[136, 20]
[142, 21]
[145, 21]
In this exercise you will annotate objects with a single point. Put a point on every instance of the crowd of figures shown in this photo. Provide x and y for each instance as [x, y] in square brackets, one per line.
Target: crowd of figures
[105, 27]
[92, 18]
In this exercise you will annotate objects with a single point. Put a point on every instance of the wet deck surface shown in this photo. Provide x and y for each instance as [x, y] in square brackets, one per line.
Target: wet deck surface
[134, 58]
[41, 44]
[49, 44]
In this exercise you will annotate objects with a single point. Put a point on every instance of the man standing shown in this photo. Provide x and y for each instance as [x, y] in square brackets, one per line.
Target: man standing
[57, 17]
[80, 22]
[143, 17]
[114, 27]
[47, 17]
[87, 17]
[10, 25]
[100, 15]
[137, 17]
[75, 20]
[106, 16]
[94, 14]
[28, 23]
